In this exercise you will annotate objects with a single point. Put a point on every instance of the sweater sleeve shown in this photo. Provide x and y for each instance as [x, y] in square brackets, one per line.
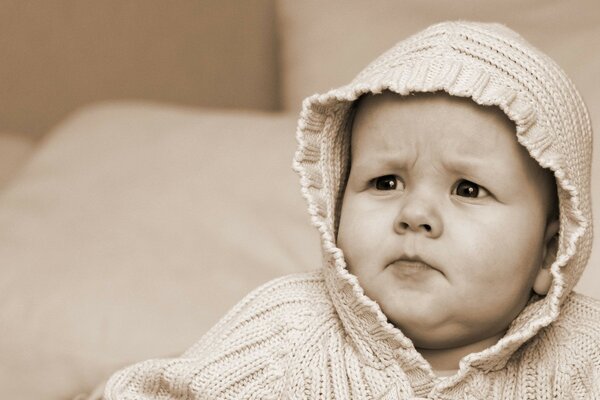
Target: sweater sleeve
[242, 357]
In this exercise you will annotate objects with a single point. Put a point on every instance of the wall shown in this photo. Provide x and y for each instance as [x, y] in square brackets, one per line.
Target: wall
[60, 54]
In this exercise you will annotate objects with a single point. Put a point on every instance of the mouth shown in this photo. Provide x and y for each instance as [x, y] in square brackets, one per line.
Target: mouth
[407, 265]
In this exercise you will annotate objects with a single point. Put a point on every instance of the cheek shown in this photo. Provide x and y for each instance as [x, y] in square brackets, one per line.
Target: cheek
[504, 252]
[361, 233]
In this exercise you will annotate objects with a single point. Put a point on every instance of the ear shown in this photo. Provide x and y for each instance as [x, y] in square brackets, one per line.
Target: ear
[543, 280]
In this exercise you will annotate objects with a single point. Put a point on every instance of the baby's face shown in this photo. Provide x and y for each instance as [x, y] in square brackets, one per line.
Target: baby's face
[445, 217]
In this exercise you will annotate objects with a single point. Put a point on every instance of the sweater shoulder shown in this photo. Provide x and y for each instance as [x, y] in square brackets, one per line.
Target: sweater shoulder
[580, 313]
[283, 301]
[577, 328]
[243, 355]
[570, 344]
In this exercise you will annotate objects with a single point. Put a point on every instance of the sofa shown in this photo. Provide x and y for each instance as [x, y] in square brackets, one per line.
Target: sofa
[133, 225]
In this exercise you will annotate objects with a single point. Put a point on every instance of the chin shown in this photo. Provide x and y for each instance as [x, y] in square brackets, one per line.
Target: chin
[416, 310]
[429, 331]
[424, 337]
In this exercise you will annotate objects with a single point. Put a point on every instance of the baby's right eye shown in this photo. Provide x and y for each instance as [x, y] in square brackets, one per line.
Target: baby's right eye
[387, 182]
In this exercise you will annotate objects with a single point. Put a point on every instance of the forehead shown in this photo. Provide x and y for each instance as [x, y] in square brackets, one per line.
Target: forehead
[391, 121]
[443, 133]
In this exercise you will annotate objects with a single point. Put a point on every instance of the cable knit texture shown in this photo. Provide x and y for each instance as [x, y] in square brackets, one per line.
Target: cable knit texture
[317, 336]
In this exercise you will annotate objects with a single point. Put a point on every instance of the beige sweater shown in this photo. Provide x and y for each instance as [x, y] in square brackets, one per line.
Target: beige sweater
[318, 336]
[286, 341]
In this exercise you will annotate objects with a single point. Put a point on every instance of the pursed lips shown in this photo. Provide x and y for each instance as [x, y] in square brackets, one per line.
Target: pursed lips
[412, 264]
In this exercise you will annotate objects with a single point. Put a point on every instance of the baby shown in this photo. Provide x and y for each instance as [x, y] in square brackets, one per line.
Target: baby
[450, 183]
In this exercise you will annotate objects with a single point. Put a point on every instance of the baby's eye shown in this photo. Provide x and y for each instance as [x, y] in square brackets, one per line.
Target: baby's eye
[387, 182]
[466, 188]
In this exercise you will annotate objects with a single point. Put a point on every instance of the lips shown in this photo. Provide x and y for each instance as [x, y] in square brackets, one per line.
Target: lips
[412, 264]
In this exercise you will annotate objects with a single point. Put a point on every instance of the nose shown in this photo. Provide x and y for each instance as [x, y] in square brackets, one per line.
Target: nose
[419, 215]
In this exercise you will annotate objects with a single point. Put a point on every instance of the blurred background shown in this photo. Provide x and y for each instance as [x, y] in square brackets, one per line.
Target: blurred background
[58, 55]
[145, 153]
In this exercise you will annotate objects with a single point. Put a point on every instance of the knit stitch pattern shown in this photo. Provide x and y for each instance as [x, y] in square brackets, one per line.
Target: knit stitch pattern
[284, 341]
[318, 336]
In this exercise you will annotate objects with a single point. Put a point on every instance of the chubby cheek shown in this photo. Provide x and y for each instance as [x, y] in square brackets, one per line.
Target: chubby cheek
[361, 234]
[500, 262]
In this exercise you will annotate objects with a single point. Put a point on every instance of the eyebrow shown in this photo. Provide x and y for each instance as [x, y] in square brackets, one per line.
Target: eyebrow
[463, 165]
[467, 163]
[380, 162]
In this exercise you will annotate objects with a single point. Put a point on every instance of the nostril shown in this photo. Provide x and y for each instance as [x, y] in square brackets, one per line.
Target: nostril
[405, 226]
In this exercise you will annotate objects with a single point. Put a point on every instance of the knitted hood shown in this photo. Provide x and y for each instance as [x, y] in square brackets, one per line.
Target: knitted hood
[492, 65]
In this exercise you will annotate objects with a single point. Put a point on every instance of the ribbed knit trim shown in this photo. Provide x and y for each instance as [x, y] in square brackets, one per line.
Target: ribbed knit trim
[495, 67]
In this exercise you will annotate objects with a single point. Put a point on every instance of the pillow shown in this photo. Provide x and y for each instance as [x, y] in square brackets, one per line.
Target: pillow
[326, 43]
[132, 229]
[14, 150]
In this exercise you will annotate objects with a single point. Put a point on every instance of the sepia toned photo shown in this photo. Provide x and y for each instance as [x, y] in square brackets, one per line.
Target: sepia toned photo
[277, 199]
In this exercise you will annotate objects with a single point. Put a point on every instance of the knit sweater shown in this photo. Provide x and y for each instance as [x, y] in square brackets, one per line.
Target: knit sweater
[285, 340]
[318, 336]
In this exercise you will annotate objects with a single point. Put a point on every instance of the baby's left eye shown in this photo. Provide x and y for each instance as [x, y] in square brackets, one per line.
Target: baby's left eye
[465, 188]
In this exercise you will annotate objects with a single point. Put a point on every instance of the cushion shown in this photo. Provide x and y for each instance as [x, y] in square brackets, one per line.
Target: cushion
[132, 229]
[14, 151]
[326, 43]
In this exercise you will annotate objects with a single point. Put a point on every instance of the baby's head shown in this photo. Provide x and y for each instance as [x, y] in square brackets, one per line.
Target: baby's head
[446, 220]
[450, 183]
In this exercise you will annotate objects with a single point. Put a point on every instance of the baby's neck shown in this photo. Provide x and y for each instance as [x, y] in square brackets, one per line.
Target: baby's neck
[448, 359]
